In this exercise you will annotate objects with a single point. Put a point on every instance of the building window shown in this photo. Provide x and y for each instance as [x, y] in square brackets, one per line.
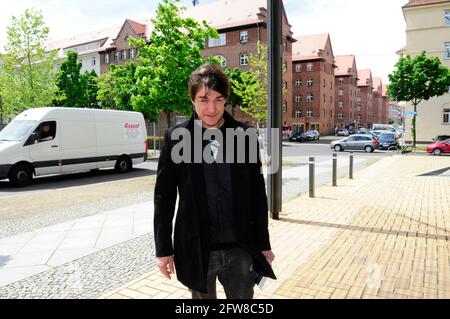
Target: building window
[358, 99]
[285, 107]
[223, 61]
[446, 116]
[215, 42]
[93, 61]
[310, 97]
[324, 83]
[309, 82]
[447, 50]
[106, 58]
[341, 92]
[309, 113]
[243, 36]
[285, 85]
[284, 46]
[298, 98]
[447, 17]
[324, 98]
[298, 83]
[243, 59]
[132, 54]
[309, 67]
[341, 81]
[298, 113]
[124, 55]
[340, 116]
[117, 56]
[298, 68]
[341, 103]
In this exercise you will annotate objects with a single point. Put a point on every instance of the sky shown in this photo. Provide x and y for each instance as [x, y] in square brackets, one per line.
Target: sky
[372, 30]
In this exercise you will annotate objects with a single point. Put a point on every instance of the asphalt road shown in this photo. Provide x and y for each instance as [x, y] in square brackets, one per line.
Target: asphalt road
[292, 152]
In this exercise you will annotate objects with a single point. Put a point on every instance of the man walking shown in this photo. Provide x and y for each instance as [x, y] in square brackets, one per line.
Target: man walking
[221, 226]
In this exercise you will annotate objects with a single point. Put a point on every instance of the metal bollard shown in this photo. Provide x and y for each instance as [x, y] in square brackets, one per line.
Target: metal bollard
[351, 166]
[334, 169]
[312, 179]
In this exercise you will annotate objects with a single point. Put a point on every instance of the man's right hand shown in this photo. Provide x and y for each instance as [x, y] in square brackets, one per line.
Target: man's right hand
[165, 265]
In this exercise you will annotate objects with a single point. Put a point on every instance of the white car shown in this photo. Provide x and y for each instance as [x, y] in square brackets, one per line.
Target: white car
[74, 140]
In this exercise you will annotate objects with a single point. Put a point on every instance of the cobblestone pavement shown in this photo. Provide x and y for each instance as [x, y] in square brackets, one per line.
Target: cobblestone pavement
[90, 276]
[385, 234]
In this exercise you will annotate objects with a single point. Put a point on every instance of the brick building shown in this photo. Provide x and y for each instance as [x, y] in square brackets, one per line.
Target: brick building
[313, 81]
[346, 85]
[364, 99]
[386, 104]
[241, 25]
[377, 100]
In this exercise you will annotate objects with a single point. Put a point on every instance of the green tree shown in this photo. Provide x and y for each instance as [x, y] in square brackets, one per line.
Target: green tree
[106, 94]
[252, 88]
[417, 79]
[165, 64]
[90, 85]
[27, 70]
[235, 76]
[71, 85]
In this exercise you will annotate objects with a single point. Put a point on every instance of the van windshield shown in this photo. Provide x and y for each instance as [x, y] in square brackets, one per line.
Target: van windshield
[16, 130]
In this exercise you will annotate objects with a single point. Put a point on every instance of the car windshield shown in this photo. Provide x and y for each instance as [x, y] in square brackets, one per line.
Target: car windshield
[16, 130]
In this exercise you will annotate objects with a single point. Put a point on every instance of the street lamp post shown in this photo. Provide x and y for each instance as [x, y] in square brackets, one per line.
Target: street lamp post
[274, 44]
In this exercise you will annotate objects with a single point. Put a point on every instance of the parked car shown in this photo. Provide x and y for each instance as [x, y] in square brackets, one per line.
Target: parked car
[362, 131]
[311, 135]
[297, 137]
[439, 147]
[79, 140]
[356, 142]
[343, 132]
[372, 134]
[387, 140]
[441, 138]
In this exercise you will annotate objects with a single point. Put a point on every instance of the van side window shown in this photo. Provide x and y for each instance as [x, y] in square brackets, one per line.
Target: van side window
[46, 131]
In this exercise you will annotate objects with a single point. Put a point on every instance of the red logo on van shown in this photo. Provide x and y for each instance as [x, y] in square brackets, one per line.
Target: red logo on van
[131, 125]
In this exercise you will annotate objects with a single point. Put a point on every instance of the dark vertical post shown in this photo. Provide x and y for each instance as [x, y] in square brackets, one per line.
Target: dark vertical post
[334, 169]
[351, 165]
[312, 179]
[274, 41]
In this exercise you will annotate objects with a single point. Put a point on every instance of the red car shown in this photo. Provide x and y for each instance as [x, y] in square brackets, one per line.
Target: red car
[439, 147]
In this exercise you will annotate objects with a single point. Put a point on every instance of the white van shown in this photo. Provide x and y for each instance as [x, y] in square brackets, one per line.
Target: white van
[55, 140]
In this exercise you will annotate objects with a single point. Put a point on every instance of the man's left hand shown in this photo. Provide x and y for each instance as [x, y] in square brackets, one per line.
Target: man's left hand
[270, 256]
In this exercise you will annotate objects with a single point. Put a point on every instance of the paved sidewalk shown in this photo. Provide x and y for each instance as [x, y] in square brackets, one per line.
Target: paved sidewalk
[31, 253]
[385, 234]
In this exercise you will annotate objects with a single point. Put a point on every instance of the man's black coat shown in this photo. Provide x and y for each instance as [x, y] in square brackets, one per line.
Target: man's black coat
[191, 238]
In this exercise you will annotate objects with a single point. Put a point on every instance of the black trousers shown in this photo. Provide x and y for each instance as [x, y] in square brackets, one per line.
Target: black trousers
[234, 269]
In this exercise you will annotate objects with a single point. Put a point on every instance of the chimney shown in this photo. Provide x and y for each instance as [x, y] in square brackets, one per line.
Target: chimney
[194, 2]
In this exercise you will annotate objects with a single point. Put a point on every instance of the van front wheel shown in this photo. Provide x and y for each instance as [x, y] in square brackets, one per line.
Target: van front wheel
[123, 164]
[21, 175]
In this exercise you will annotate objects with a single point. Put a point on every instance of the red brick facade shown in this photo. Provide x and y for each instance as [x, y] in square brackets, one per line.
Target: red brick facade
[121, 52]
[346, 91]
[314, 87]
[364, 102]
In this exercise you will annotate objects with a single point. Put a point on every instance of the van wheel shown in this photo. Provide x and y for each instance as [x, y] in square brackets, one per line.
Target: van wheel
[21, 175]
[123, 164]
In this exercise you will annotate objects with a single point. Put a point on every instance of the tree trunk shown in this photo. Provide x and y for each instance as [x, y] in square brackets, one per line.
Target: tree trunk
[414, 125]
[168, 115]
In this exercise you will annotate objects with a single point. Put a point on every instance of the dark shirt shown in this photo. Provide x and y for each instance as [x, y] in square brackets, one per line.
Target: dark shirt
[222, 233]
